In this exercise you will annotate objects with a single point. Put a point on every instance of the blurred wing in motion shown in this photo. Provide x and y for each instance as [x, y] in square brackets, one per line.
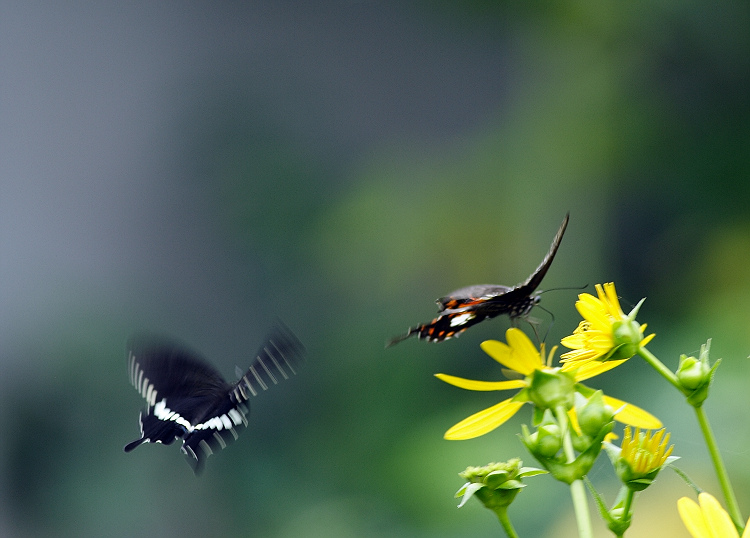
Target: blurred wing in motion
[188, 399]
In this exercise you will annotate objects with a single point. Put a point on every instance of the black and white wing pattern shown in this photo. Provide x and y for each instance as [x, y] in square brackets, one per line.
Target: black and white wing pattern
[188, 399]
[468, 306]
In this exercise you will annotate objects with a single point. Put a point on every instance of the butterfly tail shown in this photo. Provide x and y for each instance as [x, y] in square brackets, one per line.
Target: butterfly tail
[134, 444]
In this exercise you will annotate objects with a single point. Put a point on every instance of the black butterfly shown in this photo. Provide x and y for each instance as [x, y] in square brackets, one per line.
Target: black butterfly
[188, 398]
[468, 306]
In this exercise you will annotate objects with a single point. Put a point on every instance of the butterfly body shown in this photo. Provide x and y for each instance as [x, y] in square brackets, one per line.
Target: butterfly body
[188, 399]
[470, 305]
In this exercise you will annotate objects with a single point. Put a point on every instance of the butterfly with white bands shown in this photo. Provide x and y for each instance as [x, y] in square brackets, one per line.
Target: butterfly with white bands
[188, 399]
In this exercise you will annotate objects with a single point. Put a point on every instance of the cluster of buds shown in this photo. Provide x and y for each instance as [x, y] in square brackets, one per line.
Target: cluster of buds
[590, 423]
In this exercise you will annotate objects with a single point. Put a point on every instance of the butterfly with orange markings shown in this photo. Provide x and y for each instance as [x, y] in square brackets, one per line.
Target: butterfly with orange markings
[468, 306]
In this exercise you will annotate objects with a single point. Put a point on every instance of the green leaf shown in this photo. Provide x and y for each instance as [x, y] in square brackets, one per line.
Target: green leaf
[469, 490]
[531, 471]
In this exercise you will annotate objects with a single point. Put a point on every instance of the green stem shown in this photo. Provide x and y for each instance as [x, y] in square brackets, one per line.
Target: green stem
[665, 372]
[629, 496]
[687, 479]
[577, 488]
[502, 515]
[721, 471]
[627, 508]
[581, 506]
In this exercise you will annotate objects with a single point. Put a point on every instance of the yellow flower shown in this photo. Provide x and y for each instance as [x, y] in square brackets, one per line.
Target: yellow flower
[709, 520]
[605, 333]
[645, 452]
[521, 356]
[640, 458]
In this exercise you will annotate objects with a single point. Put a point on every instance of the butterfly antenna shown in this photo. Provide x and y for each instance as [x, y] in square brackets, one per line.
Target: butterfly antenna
[546, 333]
[536, 334]
[579, 288]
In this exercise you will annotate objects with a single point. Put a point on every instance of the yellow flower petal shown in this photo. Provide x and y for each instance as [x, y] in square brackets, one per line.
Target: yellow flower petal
[573, 418]
[594, 314]
[470, 384]
[519, 342]
[633, 415]
[592, 369]
[483, 422]
[716, 517]
[692, 518]
[600, 342]
[612, 301]
[511, 358]
[497, 350]
[524, 350]
[611, 437]
[574, 341]
[578, 357]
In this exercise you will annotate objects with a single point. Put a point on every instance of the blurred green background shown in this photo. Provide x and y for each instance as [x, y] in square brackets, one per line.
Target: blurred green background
[196, 170]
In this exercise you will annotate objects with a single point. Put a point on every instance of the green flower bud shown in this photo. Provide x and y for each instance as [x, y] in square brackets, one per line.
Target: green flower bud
[593, 414]
[695, 375]
[580, 442]
[495, 484]
[551, 389]
[692, 373]
[626, 337]
[547, 440]
[618, 521]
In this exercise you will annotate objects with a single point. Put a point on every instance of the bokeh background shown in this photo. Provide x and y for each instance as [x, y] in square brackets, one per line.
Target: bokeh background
[196, 169]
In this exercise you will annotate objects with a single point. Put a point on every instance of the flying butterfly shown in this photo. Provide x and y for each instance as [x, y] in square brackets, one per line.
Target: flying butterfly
[473, 304]
[188, 399]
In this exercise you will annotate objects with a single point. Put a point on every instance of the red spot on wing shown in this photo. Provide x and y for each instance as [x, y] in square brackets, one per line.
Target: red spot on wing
[470, 301]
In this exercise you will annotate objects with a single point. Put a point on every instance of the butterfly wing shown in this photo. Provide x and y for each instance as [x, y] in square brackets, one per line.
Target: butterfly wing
[218, 428]
[162, 369]
[469, 297]
[279, 358]
[536, 277]
[519, 300]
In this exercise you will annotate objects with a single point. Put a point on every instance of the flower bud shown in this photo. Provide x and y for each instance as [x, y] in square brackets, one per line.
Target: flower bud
[581, 441]
[495, 484]
[547, 440]
[692, 373]
[551, 389]
[626, 339]
[695, 375]
[593, 414]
